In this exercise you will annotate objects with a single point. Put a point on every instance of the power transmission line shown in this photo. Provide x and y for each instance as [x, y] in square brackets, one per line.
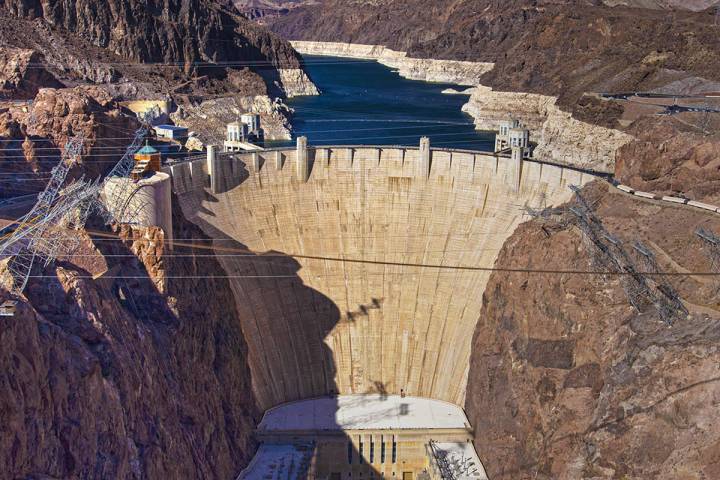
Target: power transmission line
[416, 265]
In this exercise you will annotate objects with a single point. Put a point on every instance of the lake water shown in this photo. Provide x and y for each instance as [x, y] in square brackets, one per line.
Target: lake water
[364, 102]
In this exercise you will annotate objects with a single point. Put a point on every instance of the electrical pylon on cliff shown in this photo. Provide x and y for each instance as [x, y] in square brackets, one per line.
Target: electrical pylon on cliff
[114, 208]
[711, 244]
[46, 232]
[26, 245]
[670, 305]
[608, 254]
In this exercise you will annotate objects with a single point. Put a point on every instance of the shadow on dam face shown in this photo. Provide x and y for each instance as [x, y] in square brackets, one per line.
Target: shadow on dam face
[288, 322]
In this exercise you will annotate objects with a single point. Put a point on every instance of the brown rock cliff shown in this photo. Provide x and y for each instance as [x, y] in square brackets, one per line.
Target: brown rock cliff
[36, 133]
[138, 377]
[567, 381]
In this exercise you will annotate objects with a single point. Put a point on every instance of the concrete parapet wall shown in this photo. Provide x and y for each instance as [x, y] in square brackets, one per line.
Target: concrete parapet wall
[367, 299]
[234, 167]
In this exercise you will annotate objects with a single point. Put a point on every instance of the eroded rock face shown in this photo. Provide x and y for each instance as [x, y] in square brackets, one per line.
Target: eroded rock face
[157, 31]
[568, 381]
[190, 40]
[87, 111]
[559, 137]
[425, 69]
[36, 133]
[295, 82]
[671, 157]
[136, 378]
[21, 75]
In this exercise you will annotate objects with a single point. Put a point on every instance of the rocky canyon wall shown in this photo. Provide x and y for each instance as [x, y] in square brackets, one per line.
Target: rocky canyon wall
[568, 381]
[561, 48]
[154, 31]
[198, 48]
[119, 365]
[34, 134]
[295, 82]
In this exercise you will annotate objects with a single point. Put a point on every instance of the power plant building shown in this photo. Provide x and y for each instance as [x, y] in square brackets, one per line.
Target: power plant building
[147, 160]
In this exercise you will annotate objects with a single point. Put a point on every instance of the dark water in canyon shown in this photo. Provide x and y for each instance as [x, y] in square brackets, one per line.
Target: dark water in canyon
[364, 102]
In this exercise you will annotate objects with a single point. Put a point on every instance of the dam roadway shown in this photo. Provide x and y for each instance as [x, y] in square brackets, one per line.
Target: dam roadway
[337, 299]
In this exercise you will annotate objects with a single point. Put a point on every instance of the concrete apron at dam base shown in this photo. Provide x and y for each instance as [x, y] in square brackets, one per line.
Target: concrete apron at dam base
[363, 274]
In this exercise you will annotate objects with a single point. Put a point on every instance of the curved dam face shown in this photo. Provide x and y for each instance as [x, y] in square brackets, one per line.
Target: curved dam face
[353, 283]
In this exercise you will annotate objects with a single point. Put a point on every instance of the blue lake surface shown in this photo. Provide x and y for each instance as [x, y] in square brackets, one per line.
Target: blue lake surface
[364, 102]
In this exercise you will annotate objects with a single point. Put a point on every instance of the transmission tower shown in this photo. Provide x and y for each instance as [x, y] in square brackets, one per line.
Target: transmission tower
[46, 232]
[608, 254]
[669, 304]
[25, 245]
[711, 244]
[118, 197]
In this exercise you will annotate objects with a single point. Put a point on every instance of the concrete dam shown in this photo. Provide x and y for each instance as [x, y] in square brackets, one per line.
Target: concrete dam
[355, 234]
[365, 266]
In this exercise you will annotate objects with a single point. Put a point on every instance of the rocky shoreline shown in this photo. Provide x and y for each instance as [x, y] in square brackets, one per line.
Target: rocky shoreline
[446, 71]
[560, 138]
[296, 83]
[209, 118]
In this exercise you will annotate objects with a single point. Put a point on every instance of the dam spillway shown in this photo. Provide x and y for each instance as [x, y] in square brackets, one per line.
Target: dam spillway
[353, 285]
